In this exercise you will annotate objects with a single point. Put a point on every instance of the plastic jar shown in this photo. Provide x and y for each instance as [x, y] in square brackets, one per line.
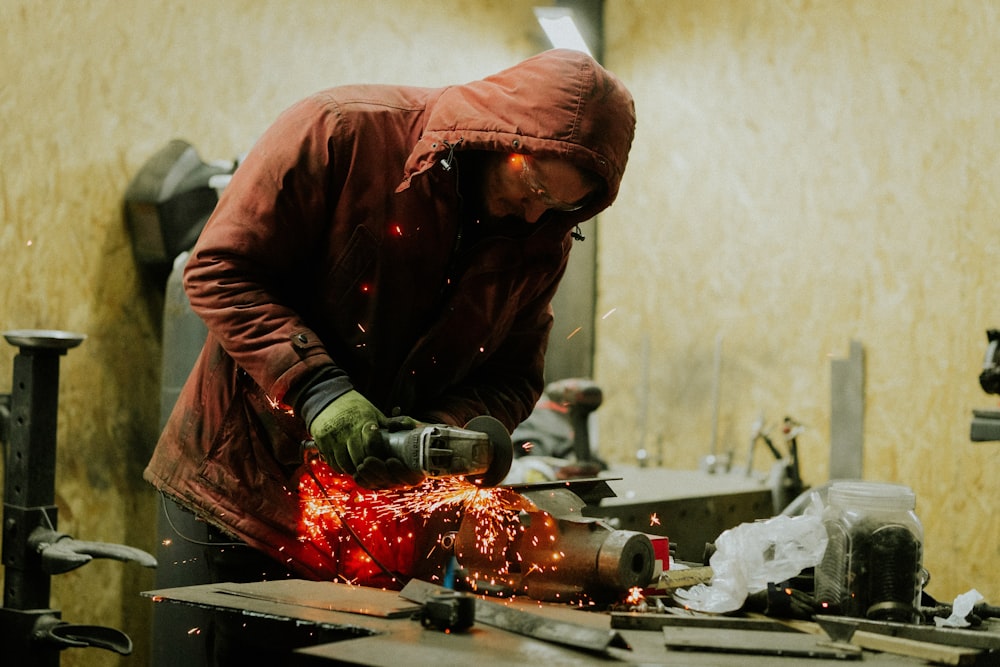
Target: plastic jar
[872, 566]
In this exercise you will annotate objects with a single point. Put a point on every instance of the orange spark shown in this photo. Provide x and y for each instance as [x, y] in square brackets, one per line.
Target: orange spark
[654, 520]
[573, 333]
[336, 516]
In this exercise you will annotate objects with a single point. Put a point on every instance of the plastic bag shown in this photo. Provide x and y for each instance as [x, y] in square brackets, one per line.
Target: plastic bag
[751, 555]
[961, 608]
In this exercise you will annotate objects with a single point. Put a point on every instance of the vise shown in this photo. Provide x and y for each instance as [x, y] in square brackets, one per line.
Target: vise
[556, 554]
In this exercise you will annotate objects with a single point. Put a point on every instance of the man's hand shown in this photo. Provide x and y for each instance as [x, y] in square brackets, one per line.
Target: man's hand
[347, 435]
[347, 431]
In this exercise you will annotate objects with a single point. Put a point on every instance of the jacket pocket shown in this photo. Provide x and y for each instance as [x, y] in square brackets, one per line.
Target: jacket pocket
[349, 291]
[255, 447]
[353, 267]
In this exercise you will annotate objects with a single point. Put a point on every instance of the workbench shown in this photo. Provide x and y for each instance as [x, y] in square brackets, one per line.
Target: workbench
[691, 507]
[352, 625]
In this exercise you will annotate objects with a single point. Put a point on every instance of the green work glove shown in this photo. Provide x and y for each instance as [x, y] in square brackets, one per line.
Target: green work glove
[346, 432]
[347, 435]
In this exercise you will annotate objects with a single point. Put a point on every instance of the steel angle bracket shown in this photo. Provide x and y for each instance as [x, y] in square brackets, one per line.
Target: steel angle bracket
[504, 617]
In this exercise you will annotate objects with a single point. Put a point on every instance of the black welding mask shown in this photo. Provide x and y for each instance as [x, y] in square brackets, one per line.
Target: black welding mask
[169, 201]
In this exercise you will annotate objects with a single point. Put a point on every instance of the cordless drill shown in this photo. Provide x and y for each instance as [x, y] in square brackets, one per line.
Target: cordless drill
[579, 397]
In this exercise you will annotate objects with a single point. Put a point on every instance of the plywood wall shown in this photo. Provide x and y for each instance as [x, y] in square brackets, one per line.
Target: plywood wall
[89, 90]
[805, 174]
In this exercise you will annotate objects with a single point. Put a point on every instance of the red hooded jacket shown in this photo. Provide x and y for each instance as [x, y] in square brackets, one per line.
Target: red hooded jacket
[334, 248]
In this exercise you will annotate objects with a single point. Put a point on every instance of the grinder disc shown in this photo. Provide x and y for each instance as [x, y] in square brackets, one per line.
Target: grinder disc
[502, 445]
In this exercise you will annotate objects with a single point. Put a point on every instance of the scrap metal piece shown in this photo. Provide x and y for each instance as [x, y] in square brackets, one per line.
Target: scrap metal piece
[672, 579]
[327, 595]
[757, 642]
[525, 623]
[625, 620]
[591, 490]
[843, 628]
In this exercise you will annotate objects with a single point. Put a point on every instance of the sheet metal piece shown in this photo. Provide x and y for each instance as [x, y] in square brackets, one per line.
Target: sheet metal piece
[843, 628]
[591, 490]
[329, 596]
[501, 616]
[626, 620]
[757, 642]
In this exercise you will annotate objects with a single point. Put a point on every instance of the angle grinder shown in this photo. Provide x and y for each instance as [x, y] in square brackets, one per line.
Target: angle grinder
[481, 451]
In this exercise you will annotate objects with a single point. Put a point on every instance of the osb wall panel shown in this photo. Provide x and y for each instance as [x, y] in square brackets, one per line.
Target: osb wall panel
[89, 90]
[805, 174]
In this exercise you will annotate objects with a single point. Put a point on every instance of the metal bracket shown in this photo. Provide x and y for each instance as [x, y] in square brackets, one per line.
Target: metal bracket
[847, 409]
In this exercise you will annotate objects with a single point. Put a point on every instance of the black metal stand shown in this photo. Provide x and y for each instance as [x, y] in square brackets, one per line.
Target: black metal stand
[30, 632]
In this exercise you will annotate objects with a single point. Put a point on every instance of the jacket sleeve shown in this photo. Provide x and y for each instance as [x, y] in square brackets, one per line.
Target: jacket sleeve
[251, 265]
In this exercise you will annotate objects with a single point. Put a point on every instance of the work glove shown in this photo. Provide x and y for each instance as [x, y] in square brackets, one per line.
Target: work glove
[347, 435]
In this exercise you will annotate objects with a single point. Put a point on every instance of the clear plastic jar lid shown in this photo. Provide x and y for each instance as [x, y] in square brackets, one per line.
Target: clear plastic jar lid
[873, 495]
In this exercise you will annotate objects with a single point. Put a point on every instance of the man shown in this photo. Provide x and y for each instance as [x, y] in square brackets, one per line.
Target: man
[383, 255]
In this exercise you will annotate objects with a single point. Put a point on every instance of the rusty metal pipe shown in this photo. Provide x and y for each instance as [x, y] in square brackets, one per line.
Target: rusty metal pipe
[556, 554]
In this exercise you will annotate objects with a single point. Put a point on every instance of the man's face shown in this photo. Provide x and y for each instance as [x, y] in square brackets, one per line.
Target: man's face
[524, 187]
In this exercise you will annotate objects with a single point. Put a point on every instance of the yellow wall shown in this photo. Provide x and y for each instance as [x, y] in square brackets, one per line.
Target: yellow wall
[804, 173]
[91, 89]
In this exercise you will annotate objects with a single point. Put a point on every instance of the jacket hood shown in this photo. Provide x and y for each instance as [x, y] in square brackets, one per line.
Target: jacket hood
[557, 104]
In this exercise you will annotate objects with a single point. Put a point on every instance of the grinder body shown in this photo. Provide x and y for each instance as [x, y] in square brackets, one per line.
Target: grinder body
[481, 451]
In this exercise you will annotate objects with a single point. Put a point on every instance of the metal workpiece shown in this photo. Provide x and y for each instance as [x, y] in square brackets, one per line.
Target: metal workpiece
[30, 632]
[588, 559]
[625, 559]
[555, 554]
[843, 628]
